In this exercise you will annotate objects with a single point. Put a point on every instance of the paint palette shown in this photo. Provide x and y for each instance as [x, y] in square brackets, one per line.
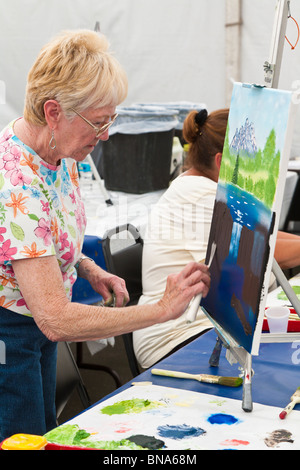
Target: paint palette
[154, 417]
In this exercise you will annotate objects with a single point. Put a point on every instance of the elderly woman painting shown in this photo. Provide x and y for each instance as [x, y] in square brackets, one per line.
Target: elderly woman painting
[72, 92]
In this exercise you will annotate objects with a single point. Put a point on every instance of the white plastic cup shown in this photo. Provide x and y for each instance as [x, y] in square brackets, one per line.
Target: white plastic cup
[278, 318]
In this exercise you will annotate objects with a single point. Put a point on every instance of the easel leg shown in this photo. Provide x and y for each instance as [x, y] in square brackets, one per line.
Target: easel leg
[215, 356]
[234, 354]
[247, 403]
[284, 283]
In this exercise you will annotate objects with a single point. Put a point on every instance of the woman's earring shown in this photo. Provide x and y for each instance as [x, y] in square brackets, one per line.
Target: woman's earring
[52, 143]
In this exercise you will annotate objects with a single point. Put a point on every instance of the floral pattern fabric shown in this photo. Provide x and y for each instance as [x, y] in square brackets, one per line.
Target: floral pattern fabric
[41, 214]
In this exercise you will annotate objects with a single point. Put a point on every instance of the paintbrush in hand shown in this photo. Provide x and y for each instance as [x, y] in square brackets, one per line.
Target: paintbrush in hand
[194, 305]
[295, 398]
[212, 379]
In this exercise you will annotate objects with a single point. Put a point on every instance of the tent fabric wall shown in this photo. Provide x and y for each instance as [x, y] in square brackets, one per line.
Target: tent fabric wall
[164, 46]
[172, 50]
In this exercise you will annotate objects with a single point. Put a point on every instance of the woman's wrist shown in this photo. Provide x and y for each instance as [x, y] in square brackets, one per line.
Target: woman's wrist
[86, 268]
[82, 258]
[161, 311]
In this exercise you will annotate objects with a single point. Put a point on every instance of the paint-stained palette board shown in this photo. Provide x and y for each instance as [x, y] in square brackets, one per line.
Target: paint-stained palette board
[154, 417]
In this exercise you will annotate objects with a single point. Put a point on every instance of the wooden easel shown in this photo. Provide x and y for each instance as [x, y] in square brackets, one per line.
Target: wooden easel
[234, 352]
[272, 73]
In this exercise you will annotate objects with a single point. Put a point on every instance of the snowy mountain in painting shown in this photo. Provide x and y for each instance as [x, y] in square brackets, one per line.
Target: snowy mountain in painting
[244, 140]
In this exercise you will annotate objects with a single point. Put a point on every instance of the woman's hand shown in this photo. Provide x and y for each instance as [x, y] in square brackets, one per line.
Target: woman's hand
[182, 287]
[111, 287]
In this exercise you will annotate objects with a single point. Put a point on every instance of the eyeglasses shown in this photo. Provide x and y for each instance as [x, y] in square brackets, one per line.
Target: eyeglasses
[99, 130]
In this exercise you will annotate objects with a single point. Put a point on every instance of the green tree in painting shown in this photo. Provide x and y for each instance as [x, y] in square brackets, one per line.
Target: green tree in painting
[270, 188]
[259, 189]
[225, 165]
[258, 159]
[249, 184]
[269, 150]
[226, 147]
[274, 168]
[235, 174]
[257, 174]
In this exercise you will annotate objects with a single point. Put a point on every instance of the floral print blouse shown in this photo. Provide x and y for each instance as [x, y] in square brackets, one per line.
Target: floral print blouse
[41, 214]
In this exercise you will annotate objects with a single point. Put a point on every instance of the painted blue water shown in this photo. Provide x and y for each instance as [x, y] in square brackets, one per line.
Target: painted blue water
[246, 211]
[245, 208]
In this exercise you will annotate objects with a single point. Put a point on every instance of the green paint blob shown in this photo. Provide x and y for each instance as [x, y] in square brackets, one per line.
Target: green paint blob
[135, 405]
[72, 435]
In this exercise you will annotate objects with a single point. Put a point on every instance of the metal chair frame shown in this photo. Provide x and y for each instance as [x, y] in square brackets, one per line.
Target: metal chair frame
[126, 262]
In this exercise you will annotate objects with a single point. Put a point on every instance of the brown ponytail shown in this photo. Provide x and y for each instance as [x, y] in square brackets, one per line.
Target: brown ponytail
[205, 135]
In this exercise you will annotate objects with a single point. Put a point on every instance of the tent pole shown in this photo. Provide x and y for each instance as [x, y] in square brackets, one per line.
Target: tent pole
[233, 44]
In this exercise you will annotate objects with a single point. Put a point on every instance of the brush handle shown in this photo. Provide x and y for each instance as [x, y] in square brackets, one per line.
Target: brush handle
[193, 309]
[290, 406]
[173, 373]
[287, 409]
[212, 379]
[207, 378]
[194, 305]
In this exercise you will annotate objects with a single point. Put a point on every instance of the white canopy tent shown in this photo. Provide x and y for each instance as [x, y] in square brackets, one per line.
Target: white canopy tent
[172, 50]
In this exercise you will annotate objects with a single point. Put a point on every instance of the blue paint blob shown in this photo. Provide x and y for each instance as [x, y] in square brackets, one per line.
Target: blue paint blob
[222, 418]
[181, 431]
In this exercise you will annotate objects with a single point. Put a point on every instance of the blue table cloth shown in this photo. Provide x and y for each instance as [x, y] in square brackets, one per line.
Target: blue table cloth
[276, 371]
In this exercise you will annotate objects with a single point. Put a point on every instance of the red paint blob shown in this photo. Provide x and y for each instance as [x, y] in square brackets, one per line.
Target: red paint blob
[123, 429]
[235, 442]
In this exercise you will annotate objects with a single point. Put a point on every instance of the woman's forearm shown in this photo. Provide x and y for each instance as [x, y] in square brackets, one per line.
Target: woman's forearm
[287, 253]
[287, 250]
[78, 322]
[41, 284]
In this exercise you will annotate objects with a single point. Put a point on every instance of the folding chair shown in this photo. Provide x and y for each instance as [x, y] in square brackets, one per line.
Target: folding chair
[83, 293]
[122, 250]
[68, 379]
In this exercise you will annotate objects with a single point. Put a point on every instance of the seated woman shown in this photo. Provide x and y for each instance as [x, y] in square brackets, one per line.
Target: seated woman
[178, 232]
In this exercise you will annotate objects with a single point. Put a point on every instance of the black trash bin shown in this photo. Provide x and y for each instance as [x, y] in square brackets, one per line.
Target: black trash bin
[182, 107]
[137, 157]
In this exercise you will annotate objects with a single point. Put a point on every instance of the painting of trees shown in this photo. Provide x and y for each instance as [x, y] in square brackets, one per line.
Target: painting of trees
[257, 173]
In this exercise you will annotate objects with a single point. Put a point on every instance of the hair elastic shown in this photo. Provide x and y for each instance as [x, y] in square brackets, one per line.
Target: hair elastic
[201, 117]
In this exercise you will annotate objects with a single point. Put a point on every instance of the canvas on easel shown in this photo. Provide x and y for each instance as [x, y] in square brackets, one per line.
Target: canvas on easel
[247, 209]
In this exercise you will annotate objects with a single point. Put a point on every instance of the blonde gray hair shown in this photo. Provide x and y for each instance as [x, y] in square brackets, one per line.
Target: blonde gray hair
[76, 69]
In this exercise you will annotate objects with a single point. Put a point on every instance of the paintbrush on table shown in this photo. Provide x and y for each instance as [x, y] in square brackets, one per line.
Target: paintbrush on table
[295, 398]
[294, 316]
[194, 305]
[212, 379]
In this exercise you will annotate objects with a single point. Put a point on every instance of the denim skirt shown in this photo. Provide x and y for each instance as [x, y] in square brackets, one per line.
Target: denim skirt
[27, 377]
